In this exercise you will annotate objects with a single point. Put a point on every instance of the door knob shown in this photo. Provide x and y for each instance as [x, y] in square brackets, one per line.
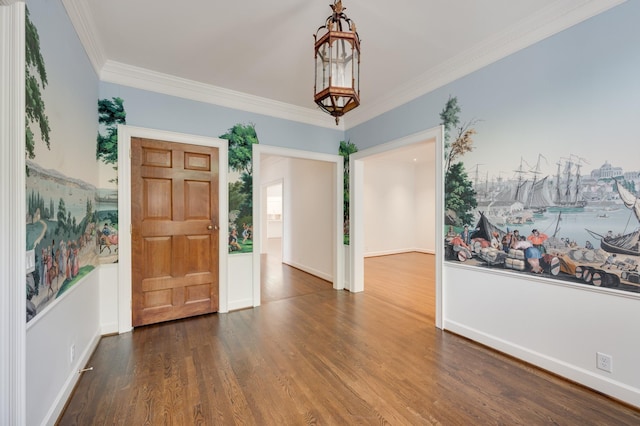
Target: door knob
[210, 227]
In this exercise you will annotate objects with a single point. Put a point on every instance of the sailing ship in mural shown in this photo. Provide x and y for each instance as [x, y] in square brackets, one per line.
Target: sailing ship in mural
[549, 219]
[563, 239]
[568, 187]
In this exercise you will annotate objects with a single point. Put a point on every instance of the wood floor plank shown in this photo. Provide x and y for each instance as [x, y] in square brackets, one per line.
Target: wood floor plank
[312, 355]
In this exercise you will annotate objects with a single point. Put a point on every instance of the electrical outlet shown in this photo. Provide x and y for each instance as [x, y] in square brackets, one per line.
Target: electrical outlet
[604, 362]
[72, 353]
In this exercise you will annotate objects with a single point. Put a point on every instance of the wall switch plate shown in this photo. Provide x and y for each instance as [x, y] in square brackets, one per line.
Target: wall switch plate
[604, 362]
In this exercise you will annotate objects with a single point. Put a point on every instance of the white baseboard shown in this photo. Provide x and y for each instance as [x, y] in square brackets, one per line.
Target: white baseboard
[240, 304]
[69, 384]
[597, 382]
[309, 270]
[398, 251]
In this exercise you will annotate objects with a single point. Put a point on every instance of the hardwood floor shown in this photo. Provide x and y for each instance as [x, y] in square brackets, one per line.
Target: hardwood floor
[326, 357]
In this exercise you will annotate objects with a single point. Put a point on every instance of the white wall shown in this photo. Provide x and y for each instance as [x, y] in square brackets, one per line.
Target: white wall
[389, 207]
[556, 326]
[399, 204]
[425, 196]
[108, 279]
[70, 321]
[240, 276]
[308, 211]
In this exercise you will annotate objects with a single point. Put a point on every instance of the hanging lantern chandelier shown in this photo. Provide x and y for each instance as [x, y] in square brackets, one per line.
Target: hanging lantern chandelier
[337, 56]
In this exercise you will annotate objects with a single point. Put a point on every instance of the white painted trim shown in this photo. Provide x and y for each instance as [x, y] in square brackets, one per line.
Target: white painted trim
[125, 133]
[338, 254]
[552, 19]
[356, 214]
[141, 78]
[12, 215]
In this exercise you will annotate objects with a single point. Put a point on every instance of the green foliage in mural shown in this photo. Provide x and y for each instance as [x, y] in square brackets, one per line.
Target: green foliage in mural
[110, 113]
[460, 197]
[346, 148]
[241, 138]
[35, 82]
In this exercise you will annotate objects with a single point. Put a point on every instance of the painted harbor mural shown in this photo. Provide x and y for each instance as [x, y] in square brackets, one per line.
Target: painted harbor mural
[565, 213]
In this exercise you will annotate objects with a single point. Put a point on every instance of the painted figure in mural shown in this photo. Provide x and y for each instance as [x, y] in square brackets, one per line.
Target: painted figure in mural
[62, 260]
[495, 243]
[450, 233]
[43, 256]
[460, 248]
[537, 239]
[233, 240]
[611, 260]
[515, 239]
[531, 254]
[506, 241]
[466, 235]
[246, 232]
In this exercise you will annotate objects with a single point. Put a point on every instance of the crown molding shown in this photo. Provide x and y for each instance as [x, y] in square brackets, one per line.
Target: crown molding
[141, 78]
[556, 17]
[549, 21]
[82, 21]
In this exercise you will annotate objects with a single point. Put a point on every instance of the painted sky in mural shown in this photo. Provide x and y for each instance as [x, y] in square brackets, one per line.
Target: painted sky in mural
[556, 153]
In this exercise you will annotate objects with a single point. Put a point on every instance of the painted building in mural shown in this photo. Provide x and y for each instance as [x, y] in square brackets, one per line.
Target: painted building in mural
[61, 199]
[540, 214]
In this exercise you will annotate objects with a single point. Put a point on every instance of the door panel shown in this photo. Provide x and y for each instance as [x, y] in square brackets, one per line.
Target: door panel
[175, 232]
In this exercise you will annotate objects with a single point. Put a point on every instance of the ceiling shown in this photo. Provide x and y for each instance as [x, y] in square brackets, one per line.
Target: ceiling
[264, 49]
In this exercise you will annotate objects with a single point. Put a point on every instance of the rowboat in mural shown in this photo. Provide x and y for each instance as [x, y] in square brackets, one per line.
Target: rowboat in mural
[628, 244]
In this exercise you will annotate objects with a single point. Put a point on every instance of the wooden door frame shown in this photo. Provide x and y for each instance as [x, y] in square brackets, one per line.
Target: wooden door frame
[338, 254]
[125, 133]
[356, 192]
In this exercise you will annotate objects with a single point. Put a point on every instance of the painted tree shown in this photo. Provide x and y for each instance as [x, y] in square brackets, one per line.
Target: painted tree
[35, 82]
[346, 148]
[460, 197]
[241, 138]
[110, 113]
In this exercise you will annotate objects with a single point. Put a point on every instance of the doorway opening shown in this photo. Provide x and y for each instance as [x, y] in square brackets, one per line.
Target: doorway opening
[307, 188]
[396, 204]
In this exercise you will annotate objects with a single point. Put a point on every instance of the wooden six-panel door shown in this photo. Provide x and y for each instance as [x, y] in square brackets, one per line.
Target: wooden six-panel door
[174, 210]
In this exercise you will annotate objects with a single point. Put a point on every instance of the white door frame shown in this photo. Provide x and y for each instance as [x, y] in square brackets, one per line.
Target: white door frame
[125, 133]
[338, 255]
[356, 214]
[13, 265]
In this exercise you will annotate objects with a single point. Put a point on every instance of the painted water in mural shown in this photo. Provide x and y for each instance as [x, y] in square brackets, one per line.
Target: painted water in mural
[555, 217]
[61, 234]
